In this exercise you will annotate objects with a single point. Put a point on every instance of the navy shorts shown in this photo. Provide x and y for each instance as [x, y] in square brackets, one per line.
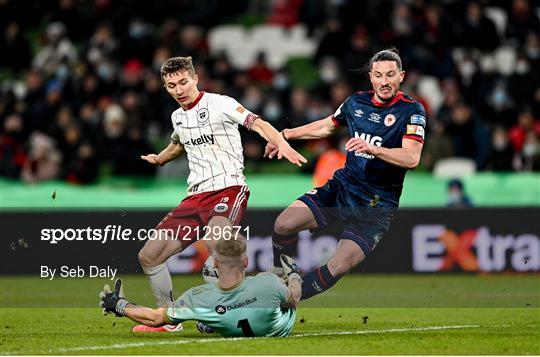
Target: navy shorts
[364, 219]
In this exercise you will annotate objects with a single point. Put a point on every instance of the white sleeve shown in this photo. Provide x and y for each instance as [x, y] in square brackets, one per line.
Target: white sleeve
[237, 113]
[174, 138]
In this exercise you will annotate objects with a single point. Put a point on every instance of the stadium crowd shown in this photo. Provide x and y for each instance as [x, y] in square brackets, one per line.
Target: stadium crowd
[81, 94]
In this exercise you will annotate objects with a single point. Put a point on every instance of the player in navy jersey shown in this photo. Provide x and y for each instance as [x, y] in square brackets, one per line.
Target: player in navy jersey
[387, 131]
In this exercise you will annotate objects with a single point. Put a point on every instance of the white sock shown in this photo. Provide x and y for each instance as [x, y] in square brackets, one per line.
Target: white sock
[277, 271]
[160, 284]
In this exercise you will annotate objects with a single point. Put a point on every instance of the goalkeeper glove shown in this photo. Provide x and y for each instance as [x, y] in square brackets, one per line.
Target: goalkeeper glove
[290, 268]
[113, 301]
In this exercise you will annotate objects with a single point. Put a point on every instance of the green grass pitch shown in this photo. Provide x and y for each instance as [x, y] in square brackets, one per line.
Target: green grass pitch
[362, 315]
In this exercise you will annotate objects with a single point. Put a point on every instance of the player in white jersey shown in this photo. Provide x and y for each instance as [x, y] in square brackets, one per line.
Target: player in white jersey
[206, 128]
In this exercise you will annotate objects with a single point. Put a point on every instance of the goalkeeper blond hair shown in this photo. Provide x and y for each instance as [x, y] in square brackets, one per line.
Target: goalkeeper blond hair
[230, 252]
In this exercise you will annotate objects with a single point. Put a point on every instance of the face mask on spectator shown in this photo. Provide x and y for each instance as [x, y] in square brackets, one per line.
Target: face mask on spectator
[105, 71]
[532, 52]
[329, 73]
[272, 111]
[136, 30]
[467, 69]
[455, 196]
[530, 149]
[281, 81]
[62, 73]
[499, 144]
[499, 97]
[522, 67]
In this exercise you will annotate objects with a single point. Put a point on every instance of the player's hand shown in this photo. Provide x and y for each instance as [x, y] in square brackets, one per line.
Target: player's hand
[270, 151]
[151, 158]
[359, 145]
[294, 157]
[109, 300]
[290, 268]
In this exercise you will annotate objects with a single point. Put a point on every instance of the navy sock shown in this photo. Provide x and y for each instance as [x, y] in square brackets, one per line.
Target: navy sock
[317, 281]
[283, 244]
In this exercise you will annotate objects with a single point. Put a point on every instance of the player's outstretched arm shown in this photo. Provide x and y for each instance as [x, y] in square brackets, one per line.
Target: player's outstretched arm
[407, 156]
[116, 303]
[171, 152]
[283, 149]
[318, 129]
[145, 315]
[295, 289]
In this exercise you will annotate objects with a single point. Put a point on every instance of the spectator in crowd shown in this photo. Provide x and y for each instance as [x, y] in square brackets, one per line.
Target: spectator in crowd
[58, 55]
[14, 48]
[357, 56]
[521, 21]
[89, 57]
[522, 82]
[531, 152]
[452, 97]
[12, 146]
[438, 145]
[43, 162]
[526, 124]
[333, 41]
[457, 198]
[259, 73]
[284, 12]
[103, 44]
[329, 162]
[477, 31]
[502, 154]
[299, 100]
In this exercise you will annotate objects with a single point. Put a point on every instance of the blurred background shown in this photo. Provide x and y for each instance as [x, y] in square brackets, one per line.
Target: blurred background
[81, 96]
[81, 99]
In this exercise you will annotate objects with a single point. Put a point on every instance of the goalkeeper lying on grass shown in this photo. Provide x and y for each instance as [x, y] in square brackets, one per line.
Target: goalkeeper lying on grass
[260, 305]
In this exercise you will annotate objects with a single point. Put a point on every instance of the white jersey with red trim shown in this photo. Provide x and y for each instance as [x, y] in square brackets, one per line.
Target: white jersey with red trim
[208, 130]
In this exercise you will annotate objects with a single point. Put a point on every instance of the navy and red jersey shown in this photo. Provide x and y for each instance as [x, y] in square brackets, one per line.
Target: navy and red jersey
[386, 125]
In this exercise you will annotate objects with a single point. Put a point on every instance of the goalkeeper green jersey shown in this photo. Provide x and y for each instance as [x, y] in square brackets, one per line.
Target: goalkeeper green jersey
[256, 307]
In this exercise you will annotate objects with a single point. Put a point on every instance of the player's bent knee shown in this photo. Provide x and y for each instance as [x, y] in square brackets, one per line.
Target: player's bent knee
[286, 224]
[145, 259]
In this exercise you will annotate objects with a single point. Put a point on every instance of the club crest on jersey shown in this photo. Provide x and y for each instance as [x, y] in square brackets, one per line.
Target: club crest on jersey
[221, 207]
[203, 116]
[389, 120]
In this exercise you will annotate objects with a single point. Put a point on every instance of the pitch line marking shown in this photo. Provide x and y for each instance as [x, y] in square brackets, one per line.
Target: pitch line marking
[227, 339]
